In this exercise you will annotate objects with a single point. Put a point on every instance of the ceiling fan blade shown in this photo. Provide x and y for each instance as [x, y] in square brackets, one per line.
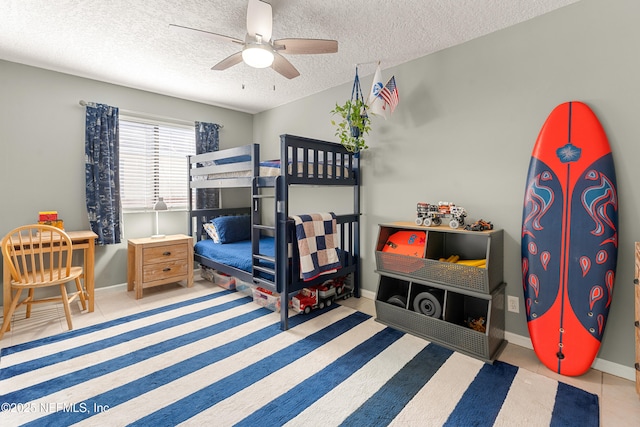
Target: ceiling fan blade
[207, 33]
[284, 67]
[228, 62]
[305, 46]
[259, 19]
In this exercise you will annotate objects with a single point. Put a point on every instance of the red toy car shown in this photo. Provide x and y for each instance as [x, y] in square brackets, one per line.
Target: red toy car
[320, 296]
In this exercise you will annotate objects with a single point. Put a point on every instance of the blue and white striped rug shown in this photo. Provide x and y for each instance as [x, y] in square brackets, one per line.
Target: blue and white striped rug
[221, 360]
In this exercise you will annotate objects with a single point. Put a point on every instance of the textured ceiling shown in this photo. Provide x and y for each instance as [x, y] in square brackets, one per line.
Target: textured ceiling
[129, 42]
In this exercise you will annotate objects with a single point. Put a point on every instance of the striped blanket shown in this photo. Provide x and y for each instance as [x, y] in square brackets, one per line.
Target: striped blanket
[222, 360]
[317, 242]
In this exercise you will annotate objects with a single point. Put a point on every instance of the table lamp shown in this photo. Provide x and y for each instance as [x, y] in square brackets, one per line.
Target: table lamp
[159, 206]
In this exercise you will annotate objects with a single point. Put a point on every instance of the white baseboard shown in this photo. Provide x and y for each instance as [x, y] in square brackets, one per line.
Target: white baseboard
[117, 285]
[368, 294]
[602, 365]
[518, 340]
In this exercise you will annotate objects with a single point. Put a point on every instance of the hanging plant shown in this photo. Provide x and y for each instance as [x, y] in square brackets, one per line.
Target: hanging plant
[355, 123]
[354, 126]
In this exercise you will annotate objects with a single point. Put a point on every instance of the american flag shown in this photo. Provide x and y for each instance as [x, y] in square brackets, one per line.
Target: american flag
[390, 93]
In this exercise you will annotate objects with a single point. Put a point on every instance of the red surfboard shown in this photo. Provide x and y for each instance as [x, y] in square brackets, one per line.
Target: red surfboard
[569, 239]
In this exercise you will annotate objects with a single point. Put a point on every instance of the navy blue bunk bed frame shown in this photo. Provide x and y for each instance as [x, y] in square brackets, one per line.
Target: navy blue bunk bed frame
[303, 161]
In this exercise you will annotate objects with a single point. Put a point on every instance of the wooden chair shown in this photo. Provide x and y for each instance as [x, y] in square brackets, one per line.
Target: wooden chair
[39, 256]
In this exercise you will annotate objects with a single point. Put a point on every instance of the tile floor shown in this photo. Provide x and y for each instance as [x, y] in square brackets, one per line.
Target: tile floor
[619, 403]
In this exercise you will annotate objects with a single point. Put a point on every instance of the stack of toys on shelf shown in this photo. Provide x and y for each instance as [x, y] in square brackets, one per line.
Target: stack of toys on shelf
[432, 215]
[50, 218]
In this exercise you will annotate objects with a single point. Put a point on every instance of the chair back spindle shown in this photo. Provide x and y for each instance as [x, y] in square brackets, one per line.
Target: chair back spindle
[38, 254]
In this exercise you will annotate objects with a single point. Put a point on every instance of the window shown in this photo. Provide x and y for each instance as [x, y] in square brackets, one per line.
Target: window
[153, 163]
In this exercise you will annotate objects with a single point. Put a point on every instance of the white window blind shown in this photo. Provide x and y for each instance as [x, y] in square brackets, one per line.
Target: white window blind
[153, 163]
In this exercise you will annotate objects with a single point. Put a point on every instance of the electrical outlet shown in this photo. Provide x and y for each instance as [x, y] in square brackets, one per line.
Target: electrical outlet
[513, 304]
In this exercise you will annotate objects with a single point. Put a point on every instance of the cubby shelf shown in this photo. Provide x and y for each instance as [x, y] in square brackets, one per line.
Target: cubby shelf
[436, 300]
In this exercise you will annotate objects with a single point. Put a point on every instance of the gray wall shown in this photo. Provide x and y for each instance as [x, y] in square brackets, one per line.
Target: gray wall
[42, 152]
[466, 124]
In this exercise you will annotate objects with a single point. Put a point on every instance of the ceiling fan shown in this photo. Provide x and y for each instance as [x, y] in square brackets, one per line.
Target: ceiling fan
[258, 50]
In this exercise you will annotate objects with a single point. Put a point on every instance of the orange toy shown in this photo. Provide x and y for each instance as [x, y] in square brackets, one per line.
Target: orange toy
[408, 242]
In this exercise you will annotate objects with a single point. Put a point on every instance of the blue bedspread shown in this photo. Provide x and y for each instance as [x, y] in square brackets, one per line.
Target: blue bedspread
[236, 254]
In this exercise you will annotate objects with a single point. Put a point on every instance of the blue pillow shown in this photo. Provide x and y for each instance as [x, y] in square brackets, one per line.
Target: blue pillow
[236, 159]
[233, 228]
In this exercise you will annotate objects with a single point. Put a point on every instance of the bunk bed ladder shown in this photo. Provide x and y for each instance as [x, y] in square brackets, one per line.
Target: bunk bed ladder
[279, 192]
[260, 272]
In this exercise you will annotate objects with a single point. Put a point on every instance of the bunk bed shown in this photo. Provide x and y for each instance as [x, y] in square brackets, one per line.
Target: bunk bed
[268, 256]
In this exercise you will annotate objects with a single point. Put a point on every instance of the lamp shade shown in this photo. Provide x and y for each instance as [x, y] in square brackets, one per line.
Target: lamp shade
[257, 55]
[160, 205]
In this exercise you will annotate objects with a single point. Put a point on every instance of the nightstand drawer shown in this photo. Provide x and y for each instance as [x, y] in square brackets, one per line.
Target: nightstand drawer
[165, 270]
[165, 254]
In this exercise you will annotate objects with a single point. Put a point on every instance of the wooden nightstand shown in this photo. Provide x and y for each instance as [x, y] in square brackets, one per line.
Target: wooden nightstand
[153, 262]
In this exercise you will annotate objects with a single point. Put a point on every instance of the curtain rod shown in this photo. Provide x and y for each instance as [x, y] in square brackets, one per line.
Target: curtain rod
[84, 103]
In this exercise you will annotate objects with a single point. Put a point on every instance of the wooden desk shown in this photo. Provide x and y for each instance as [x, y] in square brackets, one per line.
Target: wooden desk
[85, 240]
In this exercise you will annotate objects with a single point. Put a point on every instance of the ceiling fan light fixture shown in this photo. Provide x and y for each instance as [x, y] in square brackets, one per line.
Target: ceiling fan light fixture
[259, 50]
[257, 55]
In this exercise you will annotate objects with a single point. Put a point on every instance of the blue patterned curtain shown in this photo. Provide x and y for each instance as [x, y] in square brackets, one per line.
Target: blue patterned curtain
[101, 170]
[207, 140]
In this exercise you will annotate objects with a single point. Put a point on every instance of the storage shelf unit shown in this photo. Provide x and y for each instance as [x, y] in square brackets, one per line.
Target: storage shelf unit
[461, 292]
